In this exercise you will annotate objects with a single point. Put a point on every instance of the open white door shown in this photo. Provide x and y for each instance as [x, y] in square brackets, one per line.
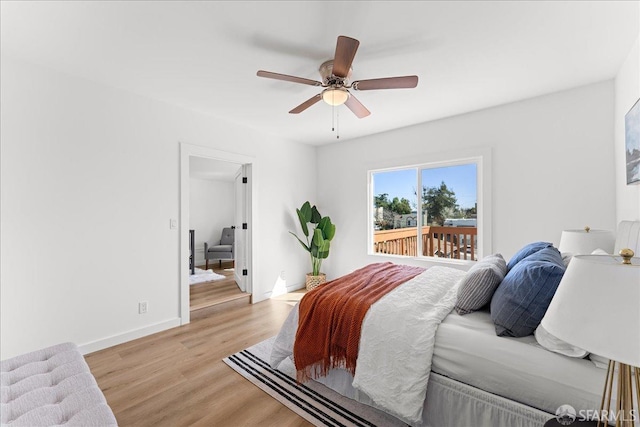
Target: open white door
[240, 258]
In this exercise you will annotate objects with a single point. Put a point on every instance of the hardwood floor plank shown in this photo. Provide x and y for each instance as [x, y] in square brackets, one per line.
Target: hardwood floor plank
[177, 377]
[202, 295]
[136, 393]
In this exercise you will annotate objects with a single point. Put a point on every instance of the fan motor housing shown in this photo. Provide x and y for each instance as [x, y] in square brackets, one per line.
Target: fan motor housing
[326, 71]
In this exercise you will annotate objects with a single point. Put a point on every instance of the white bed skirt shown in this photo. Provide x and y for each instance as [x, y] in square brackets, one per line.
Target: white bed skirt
[451, 403]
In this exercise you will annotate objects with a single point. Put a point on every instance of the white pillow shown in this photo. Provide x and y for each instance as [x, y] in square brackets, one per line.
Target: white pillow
[567, 256]
[599, 361]
[551, 343]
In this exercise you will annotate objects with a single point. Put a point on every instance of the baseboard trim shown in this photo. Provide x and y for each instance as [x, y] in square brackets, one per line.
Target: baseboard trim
[295, 287]
[101, 344]
[268, 294]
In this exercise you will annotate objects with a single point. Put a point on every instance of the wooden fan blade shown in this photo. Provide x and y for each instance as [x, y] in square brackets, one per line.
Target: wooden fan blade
[306, 104]
[405, 82]
[356, 106]
[294, 79]
[345, 52]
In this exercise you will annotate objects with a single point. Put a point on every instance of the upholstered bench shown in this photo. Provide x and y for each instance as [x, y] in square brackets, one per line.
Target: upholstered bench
[51, 387]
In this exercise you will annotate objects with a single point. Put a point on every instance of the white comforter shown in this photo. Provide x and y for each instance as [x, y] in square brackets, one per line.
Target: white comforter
[396, 342]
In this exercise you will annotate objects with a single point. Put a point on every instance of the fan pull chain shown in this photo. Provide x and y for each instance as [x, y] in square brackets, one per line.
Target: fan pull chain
[333, 126]
[337, 123]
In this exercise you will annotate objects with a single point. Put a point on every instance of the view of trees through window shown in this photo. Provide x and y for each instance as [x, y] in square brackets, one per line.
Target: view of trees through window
[447, 203]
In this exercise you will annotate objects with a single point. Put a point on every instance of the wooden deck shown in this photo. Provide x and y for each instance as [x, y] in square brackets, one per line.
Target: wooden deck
[445, 242]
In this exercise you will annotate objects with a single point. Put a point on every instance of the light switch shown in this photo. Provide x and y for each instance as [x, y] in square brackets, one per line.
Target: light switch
[173, 224]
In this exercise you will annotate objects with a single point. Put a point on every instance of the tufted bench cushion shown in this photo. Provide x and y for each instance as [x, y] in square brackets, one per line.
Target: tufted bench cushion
[51, 387]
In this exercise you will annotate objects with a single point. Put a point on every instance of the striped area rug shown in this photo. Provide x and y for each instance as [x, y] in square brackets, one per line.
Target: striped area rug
[313, 401]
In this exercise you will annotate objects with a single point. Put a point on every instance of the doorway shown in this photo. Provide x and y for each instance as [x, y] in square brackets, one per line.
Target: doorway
[231, 175]
[216, 209]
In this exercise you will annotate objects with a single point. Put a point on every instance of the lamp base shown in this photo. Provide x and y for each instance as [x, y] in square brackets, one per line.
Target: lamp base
[623, 414]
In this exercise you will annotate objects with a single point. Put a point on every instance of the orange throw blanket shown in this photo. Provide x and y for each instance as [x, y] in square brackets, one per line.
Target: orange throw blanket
[331, 315]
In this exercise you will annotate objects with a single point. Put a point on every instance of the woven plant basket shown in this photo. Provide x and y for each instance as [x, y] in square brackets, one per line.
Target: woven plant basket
[313, 282]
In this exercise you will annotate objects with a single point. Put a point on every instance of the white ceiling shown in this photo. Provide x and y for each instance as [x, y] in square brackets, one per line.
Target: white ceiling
[204, 55]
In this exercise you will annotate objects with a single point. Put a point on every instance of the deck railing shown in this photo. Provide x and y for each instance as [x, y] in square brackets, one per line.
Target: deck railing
[445, 242]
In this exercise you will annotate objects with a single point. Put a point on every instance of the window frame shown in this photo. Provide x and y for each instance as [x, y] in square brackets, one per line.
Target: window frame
[482, 160]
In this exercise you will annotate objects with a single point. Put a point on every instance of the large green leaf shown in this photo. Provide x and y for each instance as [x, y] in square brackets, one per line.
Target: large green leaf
[304, 245]
[313, 250]
[323, 250]
[315, 215]
[323, 222]
[303, 222]
[306, 211]
[318, 238]
[328, 229]
[321, 244]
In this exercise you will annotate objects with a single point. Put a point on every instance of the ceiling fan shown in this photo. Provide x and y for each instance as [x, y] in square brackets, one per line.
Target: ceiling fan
[335, 79]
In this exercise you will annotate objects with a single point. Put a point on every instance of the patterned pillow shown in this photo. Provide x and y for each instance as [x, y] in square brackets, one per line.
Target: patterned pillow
[522, 299]
[479, 284]
[527, 250]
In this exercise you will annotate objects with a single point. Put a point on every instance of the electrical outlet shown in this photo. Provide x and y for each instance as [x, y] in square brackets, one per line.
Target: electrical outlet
[143, 306]
[282, 275]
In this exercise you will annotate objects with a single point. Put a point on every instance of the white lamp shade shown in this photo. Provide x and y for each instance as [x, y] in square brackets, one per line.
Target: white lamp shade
[581, 242]
[597, 307]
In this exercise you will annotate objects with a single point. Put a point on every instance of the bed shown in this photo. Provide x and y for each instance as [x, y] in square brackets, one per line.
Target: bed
[473, 377]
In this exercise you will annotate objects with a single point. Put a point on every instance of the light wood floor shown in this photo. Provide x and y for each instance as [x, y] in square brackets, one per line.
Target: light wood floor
[177, 377]
[207, 294]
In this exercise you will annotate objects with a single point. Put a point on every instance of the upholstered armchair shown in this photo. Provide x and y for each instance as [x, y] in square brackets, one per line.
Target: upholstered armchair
[223, 250]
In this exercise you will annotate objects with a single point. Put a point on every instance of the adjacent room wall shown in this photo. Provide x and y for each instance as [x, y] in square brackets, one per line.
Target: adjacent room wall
[211, 208]
[89, 182]
[627, 93]
[553, 169]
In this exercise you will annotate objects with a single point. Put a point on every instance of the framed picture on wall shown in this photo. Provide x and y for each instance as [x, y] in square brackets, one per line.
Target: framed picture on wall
[632, 143]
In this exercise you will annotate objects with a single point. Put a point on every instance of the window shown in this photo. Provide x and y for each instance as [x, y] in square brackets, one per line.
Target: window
[445, 194]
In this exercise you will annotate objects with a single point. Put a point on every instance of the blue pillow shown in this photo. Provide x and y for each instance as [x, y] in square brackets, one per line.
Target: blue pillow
[529, 249]
[522, 299]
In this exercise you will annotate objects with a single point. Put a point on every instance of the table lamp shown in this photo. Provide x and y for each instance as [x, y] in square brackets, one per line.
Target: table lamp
[597, 307]
[585, 241]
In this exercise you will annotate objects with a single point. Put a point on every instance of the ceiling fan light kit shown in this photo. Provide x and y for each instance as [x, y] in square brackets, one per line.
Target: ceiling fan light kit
[335, 97]
[335, 79]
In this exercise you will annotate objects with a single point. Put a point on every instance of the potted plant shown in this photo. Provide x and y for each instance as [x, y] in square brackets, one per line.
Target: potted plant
[321, 231]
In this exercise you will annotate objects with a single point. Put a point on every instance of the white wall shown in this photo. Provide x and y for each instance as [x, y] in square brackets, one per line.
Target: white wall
[211, 208]
[89, 180]
[553, 169]
[627, 93]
